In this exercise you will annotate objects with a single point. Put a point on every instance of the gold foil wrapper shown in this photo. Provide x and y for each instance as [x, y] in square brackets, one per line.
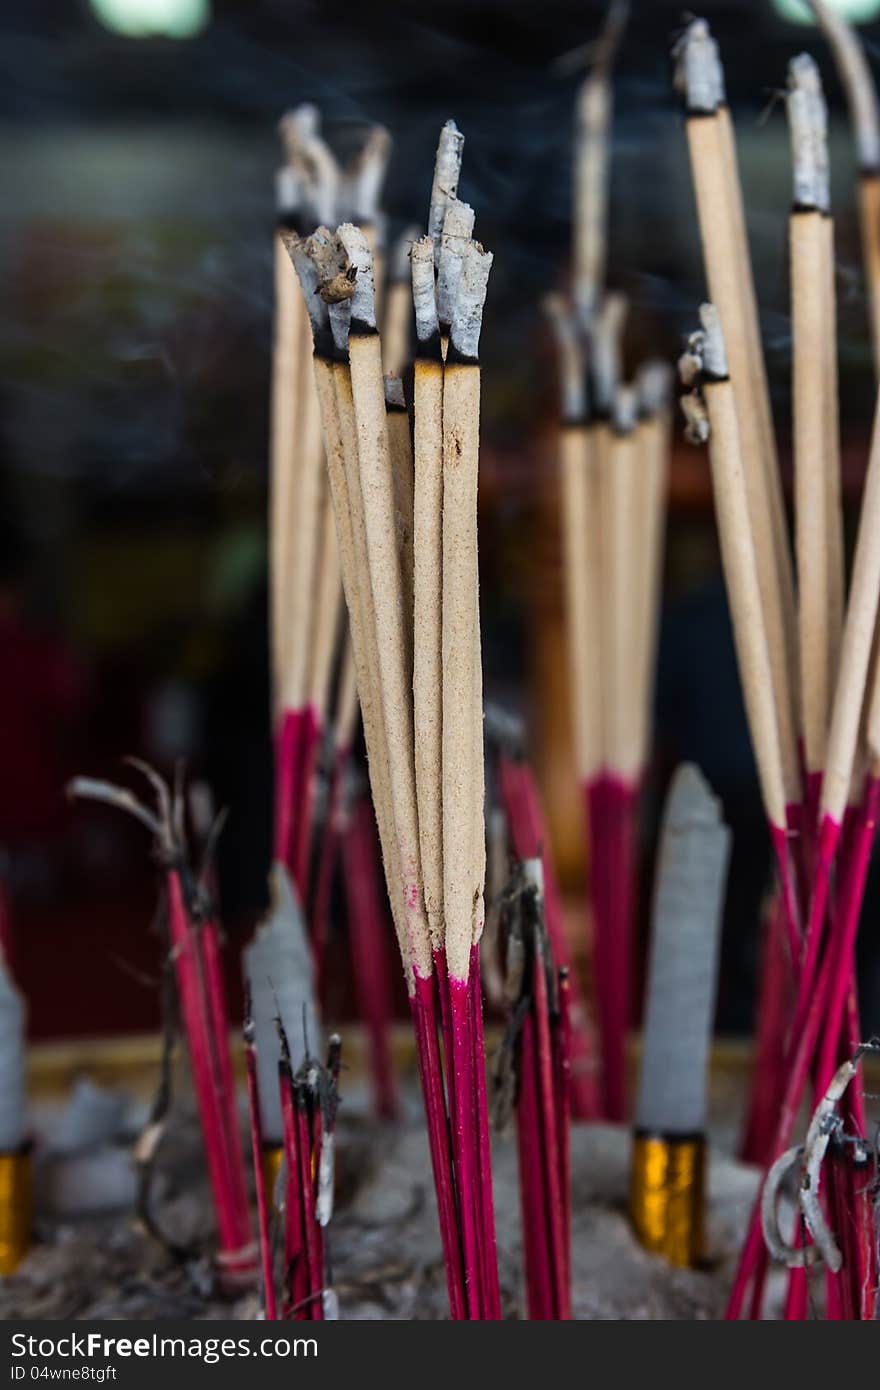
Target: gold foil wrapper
[667, 1196]
[15, 1209]
[272, 1158]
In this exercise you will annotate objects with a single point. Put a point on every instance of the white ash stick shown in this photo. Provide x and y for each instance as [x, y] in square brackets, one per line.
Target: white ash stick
[463, 867]
[447, 171]
[377, 499]
[731, 287]
[277, 964]
[365, 178]
[744, 589]
[428, 583]
[314, 161]
[458, 226]
[397, 319]
[808, 245]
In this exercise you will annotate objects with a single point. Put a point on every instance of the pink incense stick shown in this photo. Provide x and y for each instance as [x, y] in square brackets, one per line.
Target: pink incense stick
[328, 851]
[314, 1307]
[491, 1293]
[295, 1271]
[288, 748]
[460, 1058]
[368, 937]
[538, 1263]
[528, 833]
[550, 1142]
[562, 1074]
[310, 742]
[263, 1203]
[209, 946]
[775, 1003]
[431, 1074]
[232, 1217]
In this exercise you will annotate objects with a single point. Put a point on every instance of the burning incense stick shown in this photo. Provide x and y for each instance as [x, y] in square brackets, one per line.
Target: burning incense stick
[731, 288]
[527, 1077]
[670, 1118]
[718, 421]
[817, 546]
[861, 94]
[591, 165]
[427, 582]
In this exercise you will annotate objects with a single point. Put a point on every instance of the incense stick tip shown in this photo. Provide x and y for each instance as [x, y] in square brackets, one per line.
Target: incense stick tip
[424, 300]
[467, 314]
[698, 75]
[654, 383]
[714, 354]
[447, 170]
[363, 298]
[808, 123]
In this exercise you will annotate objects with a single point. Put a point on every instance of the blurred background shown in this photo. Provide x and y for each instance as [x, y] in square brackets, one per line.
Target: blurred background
[139, 143]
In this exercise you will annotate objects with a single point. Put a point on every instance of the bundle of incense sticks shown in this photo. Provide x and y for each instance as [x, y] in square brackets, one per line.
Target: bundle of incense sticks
[527, 832]
[305, 588]
[423, 734]
[531, 1076]
[614, 458]
[823, 864]
[308, 1101]
[614, 447]
[861, 94]
[193, 943]
[15, 1161]
[845, 1239]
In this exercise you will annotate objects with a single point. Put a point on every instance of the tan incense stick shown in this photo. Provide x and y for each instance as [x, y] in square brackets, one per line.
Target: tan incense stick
[861, 93]
[654, 380]
[428, 581]
[377, 500]
[327, 608]
[716, 196]
[462, 763]
[740, 560]
[808, 250]
[401, 451]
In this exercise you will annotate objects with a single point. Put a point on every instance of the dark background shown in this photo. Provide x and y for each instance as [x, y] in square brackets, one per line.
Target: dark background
[135, 233]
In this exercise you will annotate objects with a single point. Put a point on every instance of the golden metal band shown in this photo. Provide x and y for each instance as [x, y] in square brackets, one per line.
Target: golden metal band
[667, 1196]
[272, 1156]
[15, 1209]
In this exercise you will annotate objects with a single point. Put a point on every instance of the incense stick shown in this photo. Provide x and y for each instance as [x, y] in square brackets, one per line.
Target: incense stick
[861, 95]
